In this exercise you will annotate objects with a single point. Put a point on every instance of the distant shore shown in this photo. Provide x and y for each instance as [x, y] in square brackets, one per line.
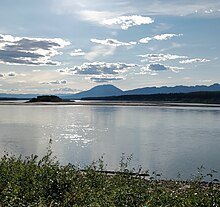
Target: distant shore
[111, 103]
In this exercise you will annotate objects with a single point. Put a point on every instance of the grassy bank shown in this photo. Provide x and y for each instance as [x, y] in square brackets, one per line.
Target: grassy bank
[44, 182]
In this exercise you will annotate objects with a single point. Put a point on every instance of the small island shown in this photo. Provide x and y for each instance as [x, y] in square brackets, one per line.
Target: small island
[46, 98]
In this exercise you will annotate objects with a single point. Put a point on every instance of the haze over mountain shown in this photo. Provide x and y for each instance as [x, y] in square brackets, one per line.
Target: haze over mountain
[111, 90]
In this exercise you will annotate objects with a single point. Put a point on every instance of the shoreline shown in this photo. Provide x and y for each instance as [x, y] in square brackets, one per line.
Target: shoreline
[110, 103]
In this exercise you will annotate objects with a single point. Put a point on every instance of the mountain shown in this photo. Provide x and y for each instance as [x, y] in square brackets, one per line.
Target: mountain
[110, 90]
[175, 89]
[101, 91]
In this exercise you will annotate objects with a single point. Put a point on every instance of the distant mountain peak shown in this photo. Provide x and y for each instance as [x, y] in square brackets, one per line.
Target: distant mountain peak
[99, 90]
[105, 86]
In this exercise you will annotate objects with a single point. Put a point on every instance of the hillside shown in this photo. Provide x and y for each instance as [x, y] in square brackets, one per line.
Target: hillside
[174, 89]
[193, 97]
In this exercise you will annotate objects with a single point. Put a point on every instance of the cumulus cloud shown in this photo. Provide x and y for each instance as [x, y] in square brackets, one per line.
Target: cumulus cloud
[77, 52]
[104, 79]
[56, 82]
[128, 21]
[208, 11]
[166, 36]
[157, 67]
[100, 68]
[29, 51]
[100, 71]
[160, 67]
[145, 40]
[113, 42]
[160, 57]
[194, 60]
[158, 37]
[100, 51]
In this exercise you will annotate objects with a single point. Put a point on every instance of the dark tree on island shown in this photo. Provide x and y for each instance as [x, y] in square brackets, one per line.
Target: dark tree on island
[46, 98]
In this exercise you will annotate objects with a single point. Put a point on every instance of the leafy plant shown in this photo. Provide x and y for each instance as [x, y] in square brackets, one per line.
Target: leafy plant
[42, 182]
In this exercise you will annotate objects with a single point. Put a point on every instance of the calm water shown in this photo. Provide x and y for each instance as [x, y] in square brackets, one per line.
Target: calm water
[169, 140]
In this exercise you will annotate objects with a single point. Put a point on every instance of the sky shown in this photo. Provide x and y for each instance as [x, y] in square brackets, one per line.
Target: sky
[66, 46]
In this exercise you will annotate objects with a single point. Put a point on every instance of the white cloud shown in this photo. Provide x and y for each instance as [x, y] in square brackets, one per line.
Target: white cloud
[100, 51]
[179, 8]
[166, 36]
[94, 15]
[145, 40]
[77, 52]
[209, 11]
[113, 42]
[99, 10]
[100, 79]
[205, 81]
[56, 82]
[160, 57]
[128, 21]
[158, 37]
[64, 90]
[194, 60]
[29, 51]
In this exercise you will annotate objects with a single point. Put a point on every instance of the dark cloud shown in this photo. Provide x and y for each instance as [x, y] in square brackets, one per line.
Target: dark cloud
[11, 74]
[157, 67]
[29, 51]
[19, 57]
[31, 45]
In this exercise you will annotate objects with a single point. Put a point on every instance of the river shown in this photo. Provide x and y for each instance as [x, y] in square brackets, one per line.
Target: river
[169, 140]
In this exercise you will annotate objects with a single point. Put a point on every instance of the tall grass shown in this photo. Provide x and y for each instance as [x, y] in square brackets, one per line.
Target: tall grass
[32, 181]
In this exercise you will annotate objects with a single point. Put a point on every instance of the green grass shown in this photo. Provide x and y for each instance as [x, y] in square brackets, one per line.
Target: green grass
[44, 182]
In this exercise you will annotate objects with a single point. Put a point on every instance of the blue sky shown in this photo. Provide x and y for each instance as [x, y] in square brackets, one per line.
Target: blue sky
[65, 46]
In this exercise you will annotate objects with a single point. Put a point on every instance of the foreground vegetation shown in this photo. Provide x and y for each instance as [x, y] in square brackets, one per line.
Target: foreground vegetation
[44, 182]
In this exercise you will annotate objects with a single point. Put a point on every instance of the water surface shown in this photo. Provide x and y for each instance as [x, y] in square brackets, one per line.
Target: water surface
[170, 140]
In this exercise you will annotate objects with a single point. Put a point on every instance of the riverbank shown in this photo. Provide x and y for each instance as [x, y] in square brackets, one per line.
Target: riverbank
[111, 103]
[44, 182]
